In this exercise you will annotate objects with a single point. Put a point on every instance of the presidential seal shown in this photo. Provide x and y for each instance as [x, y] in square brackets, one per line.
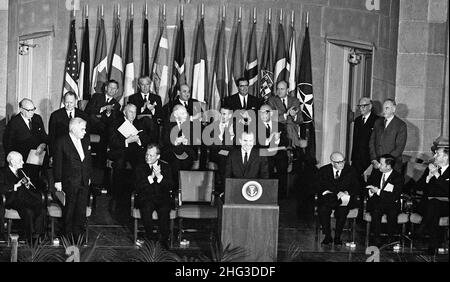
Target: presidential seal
[252, 191]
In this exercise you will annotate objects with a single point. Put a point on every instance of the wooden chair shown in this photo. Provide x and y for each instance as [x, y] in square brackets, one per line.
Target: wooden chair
[196, 198]
[136, 215]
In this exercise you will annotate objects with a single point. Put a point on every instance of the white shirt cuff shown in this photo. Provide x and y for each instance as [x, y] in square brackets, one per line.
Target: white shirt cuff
[126, 144]
[150, 179]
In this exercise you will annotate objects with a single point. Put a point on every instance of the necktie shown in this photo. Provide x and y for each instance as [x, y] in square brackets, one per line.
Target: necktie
[385, 123]
[70, 115]
[245, 104]
[245, 159]
[336, 176]
[285, 103]
[185, 104]
[180, 132]
[267, 130]
[107, 100]
[364, 120]
[145, 97]
[29, 124]
[440, 171]
[383, 180]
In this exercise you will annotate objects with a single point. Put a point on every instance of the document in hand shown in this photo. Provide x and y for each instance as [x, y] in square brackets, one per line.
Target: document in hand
[61, 196]
[345, 199]
[389, 188]
[35, 158]
[127, 129]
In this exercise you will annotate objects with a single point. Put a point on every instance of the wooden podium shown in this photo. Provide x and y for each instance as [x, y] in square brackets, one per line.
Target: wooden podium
[250, 217]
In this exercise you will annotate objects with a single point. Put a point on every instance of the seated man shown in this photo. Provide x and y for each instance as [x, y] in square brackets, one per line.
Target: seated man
[153, 184]
[338, 188]
[384, 189]
[22, 196]
[246, 162]
[271, 135]
[126, 148]
[435, 182]
[178, 147]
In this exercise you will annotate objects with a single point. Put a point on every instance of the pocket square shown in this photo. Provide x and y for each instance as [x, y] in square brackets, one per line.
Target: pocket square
[389, 188]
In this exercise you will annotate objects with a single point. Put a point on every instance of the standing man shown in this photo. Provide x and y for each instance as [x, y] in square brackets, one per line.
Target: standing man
[338, 188]
[272, 135]
[153, 185]
[72, 171]
[25, 132]
[435, 184]
[384, 189]
[388, 136]
[362, 129]
[246, 162]
[241, 100]
[146, 103]
[59, 119]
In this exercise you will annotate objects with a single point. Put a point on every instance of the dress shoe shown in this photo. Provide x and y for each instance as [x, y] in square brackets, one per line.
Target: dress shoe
[337, 242]
[327, 240]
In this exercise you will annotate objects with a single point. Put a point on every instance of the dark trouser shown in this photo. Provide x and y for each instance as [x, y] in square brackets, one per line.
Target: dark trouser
[391, 214]
[279, 162]
[221, 162]
[74, 212]
[121, 177]
[434, 209]
[163, 210]
[328, 203]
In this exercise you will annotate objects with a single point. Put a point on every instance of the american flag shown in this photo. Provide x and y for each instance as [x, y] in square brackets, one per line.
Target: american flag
[71, 69]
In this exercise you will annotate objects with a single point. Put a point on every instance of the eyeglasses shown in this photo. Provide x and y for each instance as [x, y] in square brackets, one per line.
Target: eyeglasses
[30, 110]
[339, 162]
[243, 85]
[363, 105]
[264, 112]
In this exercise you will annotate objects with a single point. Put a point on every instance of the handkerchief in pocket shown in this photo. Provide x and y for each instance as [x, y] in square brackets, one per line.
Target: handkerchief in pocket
[389, 187]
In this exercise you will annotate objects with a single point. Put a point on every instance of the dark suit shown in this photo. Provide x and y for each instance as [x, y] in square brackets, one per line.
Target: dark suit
[361, 136]
[155, 196]
[101, 121]
[276, 103]
[257, 166]
[18, 137]
[193, 106]
[434, 208]
[386, 203]
[27, 202]
[347, 181]
[390, 140]
[221, 143]
[234, 102]
[120, 154]
[59, 125]
[137, 100]
[278, 160]
[74, 174]
[180, 157]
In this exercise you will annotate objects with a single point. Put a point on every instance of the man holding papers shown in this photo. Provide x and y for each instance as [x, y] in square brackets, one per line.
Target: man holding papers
[338, 187]
[25, 132]
[127, 142]
[72, 170]
[384, 189]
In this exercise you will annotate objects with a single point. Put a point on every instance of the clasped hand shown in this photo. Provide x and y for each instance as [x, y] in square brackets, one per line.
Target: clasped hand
[372, 188]
[132, 139]
[181, 140]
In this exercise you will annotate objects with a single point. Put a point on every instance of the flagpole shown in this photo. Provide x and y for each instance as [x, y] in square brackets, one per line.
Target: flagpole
[182, 12]
[307, 19]
[240, 14]
[87, 11]
[270, 15]
[281, 15]
[118, 10]
[132, 12]
[164, 11]
[254, 15]
[203, 10]
[101, 11]
[292, 18]
[145, 10]
[223, 12]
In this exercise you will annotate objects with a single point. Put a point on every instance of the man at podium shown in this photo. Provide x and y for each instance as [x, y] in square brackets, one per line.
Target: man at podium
[245, 161]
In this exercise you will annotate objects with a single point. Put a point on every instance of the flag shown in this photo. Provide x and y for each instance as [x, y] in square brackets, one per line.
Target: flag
[305, 95]
[251, 65]
[280, 56]
[291, 65]
[83, 84]
[160, 69]
[145, 61]
[266, 84]
[100, 71]
[220, 76]
[129, 81]
[115, 58]
[237, 60]
[179, 67]
[199, 78]
[71, 69]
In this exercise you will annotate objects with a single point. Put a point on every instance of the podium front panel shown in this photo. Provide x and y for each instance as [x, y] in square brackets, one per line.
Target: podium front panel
[253, 228]
[251, 191]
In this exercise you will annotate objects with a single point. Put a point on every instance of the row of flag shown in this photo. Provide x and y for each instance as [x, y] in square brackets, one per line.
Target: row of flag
[262, 78]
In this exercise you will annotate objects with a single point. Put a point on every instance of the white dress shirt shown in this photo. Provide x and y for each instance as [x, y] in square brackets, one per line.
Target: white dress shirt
[78, 146]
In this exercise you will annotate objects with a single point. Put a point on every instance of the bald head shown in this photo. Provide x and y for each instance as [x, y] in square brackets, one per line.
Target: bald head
[389, 108]
[180, 113]
[14, 160]
[337, 160]
[282, 89]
